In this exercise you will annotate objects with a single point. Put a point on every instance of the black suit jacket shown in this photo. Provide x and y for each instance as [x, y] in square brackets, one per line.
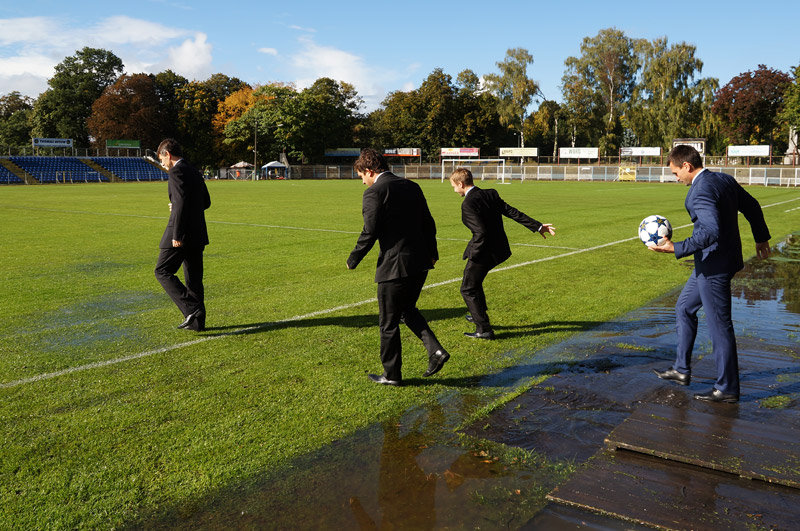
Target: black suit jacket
[189, 197]
[482, 212]
[397, 216]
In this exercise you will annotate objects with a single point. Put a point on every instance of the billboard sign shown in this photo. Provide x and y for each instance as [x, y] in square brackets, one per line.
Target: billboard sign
[698, 143]
[460, 152]
[640, 152]
[403, 152]
[519, 152]
[136, 144]
[578, 153]
[748, 151]
[52, 142]
[343, 152]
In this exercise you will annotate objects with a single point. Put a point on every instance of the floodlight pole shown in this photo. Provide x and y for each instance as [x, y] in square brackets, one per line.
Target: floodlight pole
[255, 144]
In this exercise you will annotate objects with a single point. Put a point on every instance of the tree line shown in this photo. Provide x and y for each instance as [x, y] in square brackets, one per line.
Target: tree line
[618, 92]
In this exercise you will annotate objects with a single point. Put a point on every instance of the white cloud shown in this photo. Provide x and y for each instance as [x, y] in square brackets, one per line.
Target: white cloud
[301, 28]
[314, 61]
[33, 46]
[192, 58]
[127, 30]
[268, 51]
[44, 31]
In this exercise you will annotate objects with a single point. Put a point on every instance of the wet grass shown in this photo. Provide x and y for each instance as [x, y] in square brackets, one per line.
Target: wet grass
[188, 425]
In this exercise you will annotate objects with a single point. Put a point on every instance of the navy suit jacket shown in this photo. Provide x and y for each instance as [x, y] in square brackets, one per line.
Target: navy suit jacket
[713, 202]
[189, 197]
[396, 215]
[482, 212]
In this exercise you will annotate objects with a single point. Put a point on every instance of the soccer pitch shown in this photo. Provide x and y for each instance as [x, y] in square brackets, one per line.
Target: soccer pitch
[110, 414]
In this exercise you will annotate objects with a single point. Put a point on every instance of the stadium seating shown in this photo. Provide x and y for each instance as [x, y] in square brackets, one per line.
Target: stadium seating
[6, 177]
[131, 168]
[58, 169]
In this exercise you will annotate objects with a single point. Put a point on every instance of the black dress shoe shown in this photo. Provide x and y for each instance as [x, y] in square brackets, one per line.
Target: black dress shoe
[383, 380]
[674, 376]
[436, 361]
[469, 318]
[192, 318]
[715, 395]
[480, 335]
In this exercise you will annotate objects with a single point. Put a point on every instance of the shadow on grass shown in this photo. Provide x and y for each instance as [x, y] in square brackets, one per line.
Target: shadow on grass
[348, 321]
[504, 332]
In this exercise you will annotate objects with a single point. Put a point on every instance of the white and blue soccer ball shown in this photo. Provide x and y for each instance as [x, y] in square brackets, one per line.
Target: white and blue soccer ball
[654, 229]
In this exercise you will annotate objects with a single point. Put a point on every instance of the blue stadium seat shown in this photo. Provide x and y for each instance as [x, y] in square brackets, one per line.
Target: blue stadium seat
[131, 168]
[58, 169]
[7, 177]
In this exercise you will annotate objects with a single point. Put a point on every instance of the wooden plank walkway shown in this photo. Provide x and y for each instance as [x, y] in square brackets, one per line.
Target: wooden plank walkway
[748, 449]
[671, 495]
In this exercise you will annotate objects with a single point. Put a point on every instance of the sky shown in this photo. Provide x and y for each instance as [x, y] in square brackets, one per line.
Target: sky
[378, 46]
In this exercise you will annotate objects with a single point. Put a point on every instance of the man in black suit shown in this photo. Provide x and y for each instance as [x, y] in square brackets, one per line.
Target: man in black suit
[482, 212]
[396, 215]
[185, 237]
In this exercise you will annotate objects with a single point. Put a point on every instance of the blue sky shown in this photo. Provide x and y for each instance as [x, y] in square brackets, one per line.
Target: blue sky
[377, 46]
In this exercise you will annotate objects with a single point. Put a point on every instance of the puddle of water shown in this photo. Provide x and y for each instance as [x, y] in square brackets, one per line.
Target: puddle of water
[416, 472]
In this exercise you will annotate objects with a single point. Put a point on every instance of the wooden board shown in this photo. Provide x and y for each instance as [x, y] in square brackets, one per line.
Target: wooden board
[748, 449]
[656, 492]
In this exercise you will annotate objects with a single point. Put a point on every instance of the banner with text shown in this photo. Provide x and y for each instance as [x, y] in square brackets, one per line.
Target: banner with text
[698, 143]
[640, 152]
[519, 152]
[460, 152]
[52, 142]
[748, 151]
[403, 152]
[135, 144]
[343, 152]
[578, 153]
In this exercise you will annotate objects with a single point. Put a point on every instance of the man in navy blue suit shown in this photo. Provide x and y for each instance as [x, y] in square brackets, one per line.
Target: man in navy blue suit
[713, 202]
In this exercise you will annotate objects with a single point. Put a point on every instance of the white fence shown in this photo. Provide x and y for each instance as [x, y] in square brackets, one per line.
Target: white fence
[767, 176]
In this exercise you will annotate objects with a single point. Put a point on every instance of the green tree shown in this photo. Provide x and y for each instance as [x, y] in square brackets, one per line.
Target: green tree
[749, 107]
[128, 109]
[63, 109]
[607, 67]
[167, 84]
[322, 116]
[546, 128]
[513, 88]
[791, 103]
[666, 102]
[16, 114]
[198, 104]
[266, 122]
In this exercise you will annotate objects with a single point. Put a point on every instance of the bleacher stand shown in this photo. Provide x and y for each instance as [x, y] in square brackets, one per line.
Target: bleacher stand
[58, 169]
[131, 168]
[6, 177]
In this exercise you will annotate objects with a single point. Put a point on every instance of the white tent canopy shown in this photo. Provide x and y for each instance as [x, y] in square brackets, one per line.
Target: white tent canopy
[242, 164]
[273, 165]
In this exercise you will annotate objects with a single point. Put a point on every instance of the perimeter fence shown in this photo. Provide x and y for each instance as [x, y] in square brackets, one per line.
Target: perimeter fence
[767, 176]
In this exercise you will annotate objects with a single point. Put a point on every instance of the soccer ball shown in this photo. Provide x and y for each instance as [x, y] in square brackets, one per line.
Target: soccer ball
[653, 230]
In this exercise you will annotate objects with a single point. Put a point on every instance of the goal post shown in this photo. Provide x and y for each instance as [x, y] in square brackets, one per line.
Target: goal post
[481, 168]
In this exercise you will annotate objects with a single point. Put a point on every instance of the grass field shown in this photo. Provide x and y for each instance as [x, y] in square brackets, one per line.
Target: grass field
[110, 415]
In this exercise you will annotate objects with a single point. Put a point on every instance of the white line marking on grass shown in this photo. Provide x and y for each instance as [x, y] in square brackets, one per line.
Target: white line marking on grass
[792, 209]
[50, 375]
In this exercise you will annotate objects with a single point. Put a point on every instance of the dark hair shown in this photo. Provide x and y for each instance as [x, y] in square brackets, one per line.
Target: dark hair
[685, 153]
[171, 146]
[371, 160]
[462, 175]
